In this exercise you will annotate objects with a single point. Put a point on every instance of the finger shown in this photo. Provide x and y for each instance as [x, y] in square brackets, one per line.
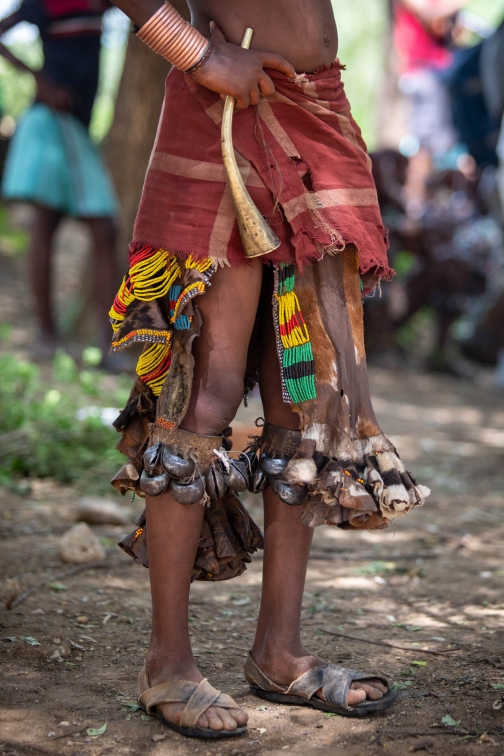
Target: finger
[242, 102]
[271, 60]
[216, 33]
[254, 96]
[266, 86]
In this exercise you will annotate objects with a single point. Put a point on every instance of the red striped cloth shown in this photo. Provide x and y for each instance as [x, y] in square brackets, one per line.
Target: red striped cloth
[301, 147]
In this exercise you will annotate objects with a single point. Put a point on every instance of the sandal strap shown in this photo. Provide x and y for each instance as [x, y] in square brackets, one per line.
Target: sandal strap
[334, 681]
[175, 691]
[308, 683]
[203, 697]
[198, 697]
[255, 676]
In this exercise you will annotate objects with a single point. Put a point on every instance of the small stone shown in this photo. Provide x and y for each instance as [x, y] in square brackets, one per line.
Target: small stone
[157, 738]
[63, 724]
[82, 619]
[98, 511]
[38, 611]
[80, 545]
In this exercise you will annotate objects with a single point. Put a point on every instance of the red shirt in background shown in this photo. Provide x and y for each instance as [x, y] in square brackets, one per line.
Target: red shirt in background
[416, 46]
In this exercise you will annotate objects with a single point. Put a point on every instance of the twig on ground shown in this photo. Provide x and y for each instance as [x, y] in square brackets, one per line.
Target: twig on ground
[389, 645]
[439, 730]
[13, 602]
[67, 734]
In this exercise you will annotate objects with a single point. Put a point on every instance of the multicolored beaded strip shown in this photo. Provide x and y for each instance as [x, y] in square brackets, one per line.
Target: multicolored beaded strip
[293, 340]
[150, 335]
[153, 274]
[150, 275]
[153, 366]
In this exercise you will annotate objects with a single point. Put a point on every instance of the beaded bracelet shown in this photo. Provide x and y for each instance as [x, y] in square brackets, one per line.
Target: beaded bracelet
[169, 35]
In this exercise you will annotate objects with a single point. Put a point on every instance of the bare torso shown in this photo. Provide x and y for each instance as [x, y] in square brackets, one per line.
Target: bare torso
[302, 31]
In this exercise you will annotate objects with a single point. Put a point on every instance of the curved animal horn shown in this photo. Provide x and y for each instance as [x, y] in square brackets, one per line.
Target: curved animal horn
[256, 235]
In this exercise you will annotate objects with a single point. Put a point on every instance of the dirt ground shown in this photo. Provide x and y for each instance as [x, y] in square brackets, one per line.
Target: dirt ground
[428, 593]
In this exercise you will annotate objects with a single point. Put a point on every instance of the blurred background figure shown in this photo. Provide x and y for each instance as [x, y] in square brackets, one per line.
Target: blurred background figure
[52, 162]
[422, 34]
[438, 192]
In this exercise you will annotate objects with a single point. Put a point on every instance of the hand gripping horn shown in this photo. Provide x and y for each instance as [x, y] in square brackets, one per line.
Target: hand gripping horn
[256, 235]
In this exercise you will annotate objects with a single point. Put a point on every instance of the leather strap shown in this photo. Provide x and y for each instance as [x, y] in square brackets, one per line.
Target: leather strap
[334, 681]
[255, 676]
[198, 697]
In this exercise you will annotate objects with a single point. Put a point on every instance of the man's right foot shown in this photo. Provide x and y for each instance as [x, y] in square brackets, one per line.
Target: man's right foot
[214, 718]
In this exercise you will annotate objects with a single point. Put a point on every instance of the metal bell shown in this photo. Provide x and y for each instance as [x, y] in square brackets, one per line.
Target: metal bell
[151, 458]
[236, 478]
[187, 493]
[176, 466]
[153, 486]
[273, 467]
[294, 494]
[214, 483]
[258, 481]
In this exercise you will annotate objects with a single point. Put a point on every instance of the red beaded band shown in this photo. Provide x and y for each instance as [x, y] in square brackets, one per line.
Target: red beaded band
[169, 35]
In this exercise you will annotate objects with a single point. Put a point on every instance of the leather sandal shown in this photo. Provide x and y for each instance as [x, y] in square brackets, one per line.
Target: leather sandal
[334, 681]
[198, 696]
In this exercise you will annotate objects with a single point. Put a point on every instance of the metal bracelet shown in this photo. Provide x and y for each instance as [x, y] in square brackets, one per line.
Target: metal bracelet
[200, 62]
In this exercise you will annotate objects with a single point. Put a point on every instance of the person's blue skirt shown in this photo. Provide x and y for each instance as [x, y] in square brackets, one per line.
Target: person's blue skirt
[52, 161]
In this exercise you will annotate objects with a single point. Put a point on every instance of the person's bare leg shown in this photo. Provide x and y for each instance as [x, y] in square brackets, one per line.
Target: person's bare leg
[278, 649]
[45, 223]
[105, 278]
[228, 311]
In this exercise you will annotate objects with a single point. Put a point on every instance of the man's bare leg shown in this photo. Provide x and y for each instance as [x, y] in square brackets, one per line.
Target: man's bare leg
[228, 309]
[277, 649]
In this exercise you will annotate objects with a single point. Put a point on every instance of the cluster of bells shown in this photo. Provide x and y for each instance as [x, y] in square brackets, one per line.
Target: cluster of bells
[166, 471]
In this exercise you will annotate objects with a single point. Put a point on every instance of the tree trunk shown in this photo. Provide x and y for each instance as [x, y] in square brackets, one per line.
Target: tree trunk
[128, 144]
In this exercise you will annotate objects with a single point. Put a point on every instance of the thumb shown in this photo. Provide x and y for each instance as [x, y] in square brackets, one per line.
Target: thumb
[216, 33]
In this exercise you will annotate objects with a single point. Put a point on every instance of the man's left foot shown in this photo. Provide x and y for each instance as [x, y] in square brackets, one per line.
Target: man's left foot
[337, 688]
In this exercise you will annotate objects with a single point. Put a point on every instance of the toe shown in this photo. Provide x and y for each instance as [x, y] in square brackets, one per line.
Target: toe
[240, 716]
[355, 697]
[372, 693]
[214, 720]
[228, 721]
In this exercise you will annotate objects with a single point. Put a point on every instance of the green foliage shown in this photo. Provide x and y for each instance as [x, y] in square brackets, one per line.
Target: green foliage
[43, 433]
[374, 568]
[13, 242]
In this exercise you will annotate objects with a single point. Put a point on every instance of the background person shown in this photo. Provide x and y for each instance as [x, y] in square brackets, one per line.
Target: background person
[52, 162]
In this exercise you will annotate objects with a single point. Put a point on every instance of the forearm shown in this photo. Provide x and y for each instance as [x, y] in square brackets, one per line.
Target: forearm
[139, 10]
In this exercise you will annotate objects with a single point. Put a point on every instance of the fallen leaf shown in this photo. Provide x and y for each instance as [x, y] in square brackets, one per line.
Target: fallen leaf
[31, 641]
[498, 686]
[450, 722]
[331, 714]
[145, 717]
[419, 664]
[402, 685]
[131, 705]
[242, 601]
[96, 732]
[57, 587]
